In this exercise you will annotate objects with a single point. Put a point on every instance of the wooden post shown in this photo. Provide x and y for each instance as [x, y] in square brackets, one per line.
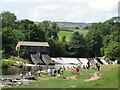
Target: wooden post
[18, 53]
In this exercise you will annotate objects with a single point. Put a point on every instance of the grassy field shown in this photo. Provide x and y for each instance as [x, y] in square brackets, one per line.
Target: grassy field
[68, 34]
[65, 33]
[108, 74]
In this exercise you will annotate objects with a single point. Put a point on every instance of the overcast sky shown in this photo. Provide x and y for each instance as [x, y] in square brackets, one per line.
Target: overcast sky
[62, 10]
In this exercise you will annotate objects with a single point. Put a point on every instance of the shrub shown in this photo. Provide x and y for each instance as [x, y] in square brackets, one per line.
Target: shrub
[18, 59]
[7, 63]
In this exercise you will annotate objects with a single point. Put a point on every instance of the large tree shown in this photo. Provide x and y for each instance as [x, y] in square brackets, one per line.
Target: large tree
[8, 19]
[112, 51]
[94, 43]
[10, 37]
[57, 48]
[77, 45]
[50, 28]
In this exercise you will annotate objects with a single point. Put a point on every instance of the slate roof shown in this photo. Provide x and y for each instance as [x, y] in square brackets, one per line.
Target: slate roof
[28, 43]
[31, 43]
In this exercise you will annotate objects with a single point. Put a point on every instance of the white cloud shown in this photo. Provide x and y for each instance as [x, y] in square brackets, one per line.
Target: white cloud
[17, 13]
[69, 10]
[78, 1]
[104, 4]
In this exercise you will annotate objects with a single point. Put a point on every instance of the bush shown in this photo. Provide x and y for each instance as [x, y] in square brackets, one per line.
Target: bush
[7, 63]
[18, 59]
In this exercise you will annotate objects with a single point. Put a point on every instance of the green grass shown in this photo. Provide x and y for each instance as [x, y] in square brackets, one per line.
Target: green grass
[65, 33]
[5, 63]
[68, 34]
[109, 79]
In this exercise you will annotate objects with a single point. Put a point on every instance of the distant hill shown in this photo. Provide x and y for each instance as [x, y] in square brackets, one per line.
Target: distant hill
[73, 24]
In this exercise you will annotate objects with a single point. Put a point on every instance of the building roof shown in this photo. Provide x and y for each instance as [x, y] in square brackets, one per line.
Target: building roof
[28, 43]
[31, 43]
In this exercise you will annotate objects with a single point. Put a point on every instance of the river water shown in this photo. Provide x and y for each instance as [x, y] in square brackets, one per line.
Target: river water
[13, 72]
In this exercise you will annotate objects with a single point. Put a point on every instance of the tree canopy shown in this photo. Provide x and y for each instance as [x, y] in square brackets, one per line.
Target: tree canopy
[101, 40]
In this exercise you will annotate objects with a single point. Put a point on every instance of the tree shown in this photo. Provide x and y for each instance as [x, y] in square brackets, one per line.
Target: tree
[38, 35]
[77, 44]
[31, 30]
[26, 24]
[57, 48]
[112, 51]
[50, 28]
[94, 43]
[102, 28]
[63, 39]
[54, 30]
[10, 38]
[8, 19]
[102, 38]
[77, 27]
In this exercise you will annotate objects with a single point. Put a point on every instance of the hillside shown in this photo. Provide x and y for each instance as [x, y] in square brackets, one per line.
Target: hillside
[71, 25]
[80, 24]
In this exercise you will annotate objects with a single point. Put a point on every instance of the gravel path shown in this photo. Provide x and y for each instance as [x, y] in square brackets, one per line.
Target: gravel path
[95, 77]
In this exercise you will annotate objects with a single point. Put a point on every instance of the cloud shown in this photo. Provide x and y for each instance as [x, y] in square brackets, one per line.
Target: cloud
[85, 11]
[56, 12]
[78, 1]
[17, 13]
[69, 10]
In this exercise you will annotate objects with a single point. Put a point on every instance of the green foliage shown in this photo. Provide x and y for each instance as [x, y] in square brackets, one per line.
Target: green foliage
[23, 54]
[94, 42]
[6, 63]
[10, 37]
[8, 19]
[112, 51]
[26, 24]
[50, 28]
[1, 54]
[57, 48]
[102, 37]
[77, 44]
[112, 20]
[18, 59]
[100, 40]
[63, 39]
[10, 61]
[77, 27]
[102, 28]
[38, 35]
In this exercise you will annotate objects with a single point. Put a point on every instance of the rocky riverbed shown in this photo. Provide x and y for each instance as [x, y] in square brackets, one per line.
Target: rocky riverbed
[10, 82]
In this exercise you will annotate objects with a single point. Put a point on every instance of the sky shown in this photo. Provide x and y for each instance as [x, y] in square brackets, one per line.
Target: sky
[62, 10]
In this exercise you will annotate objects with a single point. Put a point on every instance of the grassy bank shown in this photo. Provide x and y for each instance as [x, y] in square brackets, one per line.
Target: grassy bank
[108, 74]
[5, 63]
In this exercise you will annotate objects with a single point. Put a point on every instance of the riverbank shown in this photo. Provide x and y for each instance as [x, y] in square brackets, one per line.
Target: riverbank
[13, 61]
[10, 82]
[108, 76]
